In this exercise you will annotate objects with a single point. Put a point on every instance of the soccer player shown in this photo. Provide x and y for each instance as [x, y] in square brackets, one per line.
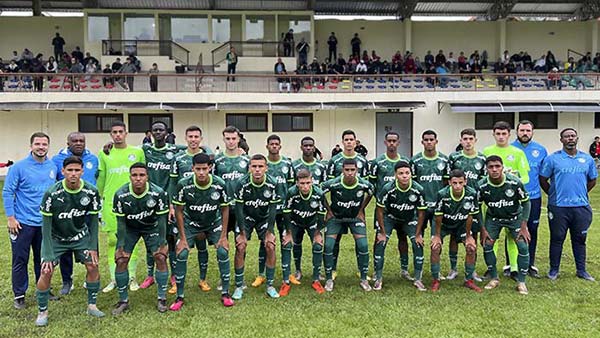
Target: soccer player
[381, 173]
[24, 188]
[201, 206]
[256, 201]
[70, 224]
[113, 173]
[508, 207]
[350, 195]
[401, 207]
[472, 163]
[535, 153]
[141, 208]
[572, 175]
[455, 210]
[515, 163]
[304, 213]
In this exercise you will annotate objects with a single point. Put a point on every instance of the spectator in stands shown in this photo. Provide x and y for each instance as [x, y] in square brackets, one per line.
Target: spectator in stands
[419, 66]
[77, 54]
[507, 79]
[153, 77]
[430, 70]
[2, 71]
[302, 48]
[90, 68]
[332, 43]
[462, 62]
[442, 70]
[540, 64]
[13, 67]
[397, 57]
[374, 56]
[288, 43]
[554, 79]
[25, 81]
[570, 65]
[517, 60]
[410, 66]
[336, 150]
[595, 148]
[64, 63]
[279, 69]
[148, 138]
[16, 57]
[128, 68]
[385, 68]
[107, 79]
[505, 57]
[361, 149]
[355, 44]
[451, 63]
[527, 63]
[550, 61]
[88, 58]
[51, 65]
[135, 61]
[428, 59]
[440, 58]
[365, 56]
[116, 66]
[476, 68]
[76, 68]
[58, 42]
[484, 59]
[27, 55]
[37, 66]
[396, 66]
[361, 68]
[232, 60]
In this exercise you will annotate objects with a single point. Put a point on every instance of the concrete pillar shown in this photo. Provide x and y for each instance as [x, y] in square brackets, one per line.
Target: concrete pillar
[408, 35]
[594, 43]
[243, 27]
[156, 27]
[501, 38]
[36, 7]
[313, 45]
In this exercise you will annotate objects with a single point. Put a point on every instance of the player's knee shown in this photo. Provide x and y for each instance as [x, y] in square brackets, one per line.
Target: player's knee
[183, 255]
[329, 244]
[362, 244]
[487, 246]
[522, 247]
[471, 249]
[287, 246]
[222, 253]
[121, 262]
[270, 245]
[317, 247]
[160, 258]
[435, 251]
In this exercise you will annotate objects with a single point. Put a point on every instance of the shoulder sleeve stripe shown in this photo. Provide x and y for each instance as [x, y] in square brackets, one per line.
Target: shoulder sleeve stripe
[121, 215]
[287, 211]
[93, 212]
[275, 201]
[239, 201]
[46, 213]
[438, 213]
[474, 213]
[178, 203]
[162, 212]
[422, 208]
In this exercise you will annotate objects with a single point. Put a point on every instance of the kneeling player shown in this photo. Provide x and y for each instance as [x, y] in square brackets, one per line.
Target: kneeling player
[455, 208]
[304, 212]
[70, 223]
[401, 207]
[201, 209]
[141, 209]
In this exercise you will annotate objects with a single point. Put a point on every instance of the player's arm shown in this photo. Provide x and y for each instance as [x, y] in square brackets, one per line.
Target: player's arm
[273, 203]
[381, 237]
[420, 221]
[162, 212]
[592, 175]
[47, 250]
[180, 225]
[436, 239]
[101, 174]
[11, 185]
[93, 245]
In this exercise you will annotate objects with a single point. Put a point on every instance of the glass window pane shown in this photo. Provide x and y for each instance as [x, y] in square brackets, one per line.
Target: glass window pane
[107, 120]
[238, 121]
[282, 122]
[255, 29]
[301, 122]
[221, 30]
[138, 123]
[166, 119]
[487, 120]
[545, 120]
[301, 29]
[98, 28]
[189, 29]
[87, 123]
[139, 28]
[256, 123]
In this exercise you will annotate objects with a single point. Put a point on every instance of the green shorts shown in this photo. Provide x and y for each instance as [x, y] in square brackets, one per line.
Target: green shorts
[213, 234]
[476, 225]
[459, 233]
[151, 238]
[80, 248]
[337, 226]
[250, 224]
[403, 227]
[299, 231]
[494, 226]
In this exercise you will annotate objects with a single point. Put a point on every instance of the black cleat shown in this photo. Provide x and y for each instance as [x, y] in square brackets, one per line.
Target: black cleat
[120, 308]
[162, 305]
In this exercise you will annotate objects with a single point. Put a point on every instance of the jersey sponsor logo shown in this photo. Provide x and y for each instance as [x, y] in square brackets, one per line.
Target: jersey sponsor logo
[535, 153]
[119, 170]
[389, 178]
[187, 174]
[72, 213]
[257, 203]
[430, 178]
[204, 207]
[159, 165]
[509, 193]
[131, 157]
[478, 166]
[280, 179]
[150, 203]
[304, 213]
[243, 164]
[349, 204]
[140, 216]
[84, 201]
[267, 194]
[471, 175]
[215, 195]
[412, 198]
[501, 203]
[402, 206]
[89, 165]
[232, 175]
[456, 217]
[441, 166]
[360, 193]
[314, 204]
[169, 155]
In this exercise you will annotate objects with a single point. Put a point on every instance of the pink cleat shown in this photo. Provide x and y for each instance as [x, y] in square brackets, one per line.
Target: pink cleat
[147, 282]
[177, 305]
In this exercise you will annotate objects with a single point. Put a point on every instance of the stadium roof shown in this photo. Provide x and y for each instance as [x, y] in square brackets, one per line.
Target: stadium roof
[490, 9]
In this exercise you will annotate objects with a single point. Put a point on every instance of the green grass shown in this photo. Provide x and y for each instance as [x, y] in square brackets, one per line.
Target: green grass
[566, 308]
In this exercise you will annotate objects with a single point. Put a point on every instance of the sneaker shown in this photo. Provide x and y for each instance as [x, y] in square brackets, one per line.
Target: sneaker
[470, 284]
[329, 285]
[316, 285]
[258, 281]
[94, 312]
[294, 278]
[66, 288]
[487, 275]
[534, 272]
[368, 277]
[111, 286]
[514, 276]
[298, 274]
[492, 284]
[419, 285]
[173, 289]
[220, 286]
[586, 276]
[364, 284]
[435, 285]
[42, 319]
[378, 284]
[162, 306]
[147, 282]
[285, 289]
[477, 278]
[120, 308]
[553, 275]
[19, 303]
[203, 285]
[177, 305]
[406, 275]
[238, 293]
[522, 289]
[452, 275]
[271, 292]
[226, 300]
[506, 270]
[53, 297]
[133, 284]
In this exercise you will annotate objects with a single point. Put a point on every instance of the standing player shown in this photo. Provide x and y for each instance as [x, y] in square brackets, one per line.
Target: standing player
[202, 207]
[401, 207]
[536, 153]
[515, 163]
[304, 213]
[508, 207]
[455, 210]
[141, 208]
[350, 195]
[113, 172]
[70, 224]
[256, 202]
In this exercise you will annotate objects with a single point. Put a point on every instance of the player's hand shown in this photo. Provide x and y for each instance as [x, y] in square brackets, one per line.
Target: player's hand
[419, 240]
[107, 147]
[47, 267]
[524, 234]
[470, 242]
[381, 238]
[13, 226]
[287, 238]
[328, 216]
[223, 243]
[485, 238]
[171, 217]
[181, 244]
[361, 216]
[436, 242]
[93, 256]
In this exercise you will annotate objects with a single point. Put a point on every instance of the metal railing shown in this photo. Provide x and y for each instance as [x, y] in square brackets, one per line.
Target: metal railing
[168, 48]
[247, 48]
[317, 83]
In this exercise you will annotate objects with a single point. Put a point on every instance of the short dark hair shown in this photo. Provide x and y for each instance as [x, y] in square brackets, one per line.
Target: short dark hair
[193, 128]
[160, 122]
[502, 125]
[457, 173]
[138, 165]
[493, 158]
[348, 132]
[401, 164]
[273, 137]
[429, 132]
[201, 158]
[258, 157]
[349, 161]
[118, 124]
[303, 173]
[391, 133]
[38, 134]
[307, 138]
[231, 129]
[72, 160]
[566, 129]
[526, 122]
[468, 131]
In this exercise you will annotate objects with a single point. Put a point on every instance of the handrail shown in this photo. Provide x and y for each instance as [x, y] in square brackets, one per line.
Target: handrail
[168, 48]
[569, 51]
[246, 48]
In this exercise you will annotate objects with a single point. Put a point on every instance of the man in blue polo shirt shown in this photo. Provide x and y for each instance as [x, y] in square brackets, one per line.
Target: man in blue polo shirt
[24, 188]
[75, 146]
[535, 153]
[571, 174]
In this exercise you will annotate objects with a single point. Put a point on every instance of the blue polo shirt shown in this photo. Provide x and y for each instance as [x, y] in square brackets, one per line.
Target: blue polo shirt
[24, 188]
[568, 178]
[90, 164]
[536, 153]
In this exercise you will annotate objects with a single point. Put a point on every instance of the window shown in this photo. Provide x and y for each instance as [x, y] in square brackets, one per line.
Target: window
[139, 28]
[189, 29]
[97, 123]
[255, 29]
[293, 122]
[545, 120]
[597, 120]
[247, 122]
[221, 30]
[139, 123]
[98, 28]
[487, 120]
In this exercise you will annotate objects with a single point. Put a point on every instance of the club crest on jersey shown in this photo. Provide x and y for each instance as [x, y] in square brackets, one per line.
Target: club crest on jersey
[314, 204]
[89, 165]
[267, 194]
[242, 164]
[150, 203]
[360, 193]
[412, 198]
[215, 195]
[581, 160]
[169, 155]
[131, 157]
[509, 193]
[359, 165]
[550, 215]
[285, 170]
[318, 172]
[510, 157]
[84, 201]
[52, 174]
[441, 166]
[478, 166]
[535, 153]
[468, 205]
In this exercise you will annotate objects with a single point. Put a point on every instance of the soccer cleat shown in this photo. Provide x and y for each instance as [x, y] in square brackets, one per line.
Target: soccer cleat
[534, 272]
[203, 285]
[94, 312]
[404, 274]
[522, 289]
[147, 282]
[173, 289]
[586, 276]
[487, 275]
[477, 278]
[316, 285]
[271, 292]
[506, 270]
[84, 285]
[19, 303]
[111, 286]
[120, 308]
[492, 284]
[294, 280]
[553, 275]
[238, 293]
[419, 285]
[514, 276]
[470, 284]
[42, 319]
[435, 285]
[368, 277]
[226, 300]
[177, 305]
[258, 281]
[452, 275]
[329, 285]
[285, 289]
[334, 274]
[66, 288]
[161, 306]
[53, 297]
[378, 284]
[133, 284]
[364, 284]
[220, 286]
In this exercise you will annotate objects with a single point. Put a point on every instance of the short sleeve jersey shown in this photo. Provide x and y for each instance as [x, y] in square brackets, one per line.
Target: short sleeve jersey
[115, 168]
[283, 173]
[347, 200]
[69, 209]
[303, 210]
[401, 205]
[141, 212]
[473, 166]
[230, 169]
[316, 168]
[430, 174]
[513, 159]
[256, 198]
[182, 165]
[159, 162]
[201, 204]
[504, 200]
[336, 165]
[535, 153]
[455, 211]
[382, 170]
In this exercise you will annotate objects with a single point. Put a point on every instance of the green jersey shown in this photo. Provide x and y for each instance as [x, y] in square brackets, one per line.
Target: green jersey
[202, 204]
[514, 160]
[304, 210]
[141, 212]
[382, 170]
[430, 173]
[230, 169]
[113, 170]
[503, 201]
[283, 173]
[256, 199]
[347, 200]
[336, 165]
[455, 211]
[401, 205]
[316, 168]
[473, 166]
[160, 162]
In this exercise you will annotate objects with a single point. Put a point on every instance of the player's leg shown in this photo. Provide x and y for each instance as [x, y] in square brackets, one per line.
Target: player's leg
[317, 259]
[475, 230]
[361, 244]
[43, 289]
[212, 237]
[470, 254]
[453, 256]
[182, 255]
[286, 262]
[333, 227]
[132, 267]
[66, 272]
[558, 222]
[297, 253]
[436, 250]
[92, 281]
[122, 278]
[111, 246]
[410, 229]
[157, 244]
[512, 254]
[201, 245]
[379, 252]
[403, 251]
[522, 257]
[267, 238]
[171, 245]
[532, 225]
[149, 280]
[493, 230]
[336, 253]
[242, 234]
